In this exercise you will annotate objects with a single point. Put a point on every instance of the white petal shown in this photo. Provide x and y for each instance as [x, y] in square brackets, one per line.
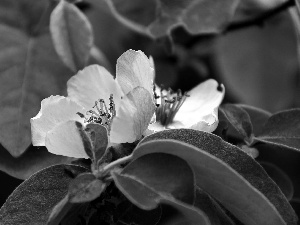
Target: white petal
[91, 84]
[155, 127]
[65, 140]
[54, 110]
[133, 116]
[201, 105]
[134, 69]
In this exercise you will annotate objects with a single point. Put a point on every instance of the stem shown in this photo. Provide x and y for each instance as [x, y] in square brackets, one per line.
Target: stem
[116, 163]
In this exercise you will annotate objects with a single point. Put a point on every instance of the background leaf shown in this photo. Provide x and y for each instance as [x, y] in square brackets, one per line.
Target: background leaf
[157, 18]
[30, 69]
[32, 202]
[282, 129]
[243, 178]
[72, 35]
[32, 161]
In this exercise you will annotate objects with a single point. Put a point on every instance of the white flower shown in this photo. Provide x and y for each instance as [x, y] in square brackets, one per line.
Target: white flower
[197, 109]
[124, 105]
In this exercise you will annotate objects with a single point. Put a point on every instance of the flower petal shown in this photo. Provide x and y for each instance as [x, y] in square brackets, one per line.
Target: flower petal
[201, 106]
[134, 69]
[65, 140]
[133, 116]
[54, 110]
[92, 83]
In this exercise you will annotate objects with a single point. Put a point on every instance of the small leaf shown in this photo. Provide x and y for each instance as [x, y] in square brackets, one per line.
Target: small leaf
[146, 198]
[239, 119]
[33, 201]
[226, 173]
[282, 129]
[280, 178]
[85, 188]
[158, 18]
[99, 138]
[59, 211]
[72, 35]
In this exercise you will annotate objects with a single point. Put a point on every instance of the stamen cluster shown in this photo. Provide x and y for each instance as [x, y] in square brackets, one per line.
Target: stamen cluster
[101, 114]
[169, 104]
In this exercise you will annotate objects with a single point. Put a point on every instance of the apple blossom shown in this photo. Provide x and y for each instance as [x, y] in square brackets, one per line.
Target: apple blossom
[123, 105]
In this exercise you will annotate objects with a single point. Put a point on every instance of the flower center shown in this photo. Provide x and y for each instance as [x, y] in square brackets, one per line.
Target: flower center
[170, 103]
[101, 113]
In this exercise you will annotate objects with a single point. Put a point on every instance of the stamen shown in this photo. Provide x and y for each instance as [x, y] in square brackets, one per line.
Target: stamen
[169, 106]
[102, 115]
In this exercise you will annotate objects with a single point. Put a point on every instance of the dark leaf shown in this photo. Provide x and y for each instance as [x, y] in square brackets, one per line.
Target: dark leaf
[158, 18]
[280, 178]
[33, 201]
[146, 198]
[71, 34]
[32, 161]
[282, 129]
[85, 188]
[239, 119]
[213, 210]
[227, 174]
[30, 69]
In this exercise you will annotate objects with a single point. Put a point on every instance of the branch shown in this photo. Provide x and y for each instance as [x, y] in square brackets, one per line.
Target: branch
[259, 20]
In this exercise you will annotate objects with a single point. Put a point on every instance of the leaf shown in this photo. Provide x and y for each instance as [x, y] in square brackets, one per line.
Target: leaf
[239, 119]
[143, 196]
[158, 18]
[72, 35]
[85, 188]
[258, 117]
[213, 210]
[99, 139]
[160, 172]
[280, 178]
[59, 211]
[30, 69]
[32, 161]
[226, 173]
[282, 129]
[33, 201]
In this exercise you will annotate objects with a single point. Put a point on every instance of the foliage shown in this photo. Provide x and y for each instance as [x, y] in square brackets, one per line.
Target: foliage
[152, 155]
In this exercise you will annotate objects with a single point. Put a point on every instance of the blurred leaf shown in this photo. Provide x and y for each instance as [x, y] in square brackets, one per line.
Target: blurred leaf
[30, 69]
[239, 119]
[259, 65]
[226, 173]
[282, 129]
[212, 209]
[85, 188]
[33, 201]
[59, 211]
[280, 178]
[160, 172]
[72, 35]
[158, 18]
[32, 161]
[147, 198]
